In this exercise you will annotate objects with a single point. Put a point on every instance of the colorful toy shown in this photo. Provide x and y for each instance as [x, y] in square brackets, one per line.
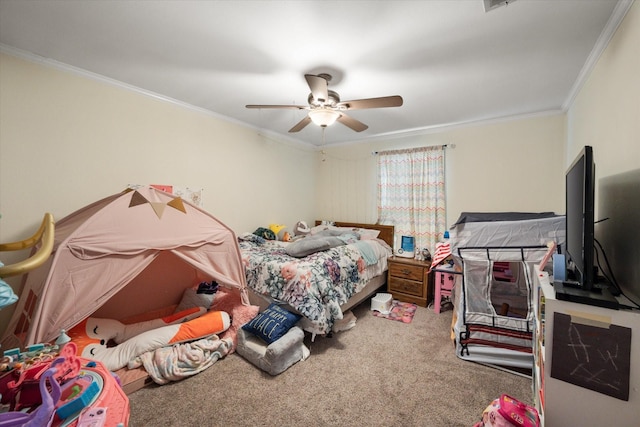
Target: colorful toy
[509, 412]
[281, 232]
[23, 372]
[99, 331]
[265, 233]
[41, 416]
[93, 335]
[78, 394]
[68, 387]
[93, 417]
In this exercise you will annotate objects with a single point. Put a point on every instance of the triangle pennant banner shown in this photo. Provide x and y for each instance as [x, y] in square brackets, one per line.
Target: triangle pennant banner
[137, 199]
[158, 208]
[177, 204]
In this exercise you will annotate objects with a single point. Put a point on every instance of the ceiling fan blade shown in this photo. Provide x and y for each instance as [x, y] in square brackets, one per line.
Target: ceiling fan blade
[352, 123]
[359, 104]
[294, 107]
[319, 87]
[301, 124]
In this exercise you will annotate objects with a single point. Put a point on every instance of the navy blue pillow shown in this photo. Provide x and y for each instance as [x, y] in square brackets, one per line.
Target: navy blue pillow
[272, 323]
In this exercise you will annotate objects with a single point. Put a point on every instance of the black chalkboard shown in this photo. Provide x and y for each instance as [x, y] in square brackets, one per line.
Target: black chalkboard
[596, 357]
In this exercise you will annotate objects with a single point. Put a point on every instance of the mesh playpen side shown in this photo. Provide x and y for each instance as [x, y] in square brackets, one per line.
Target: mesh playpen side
[494, 321]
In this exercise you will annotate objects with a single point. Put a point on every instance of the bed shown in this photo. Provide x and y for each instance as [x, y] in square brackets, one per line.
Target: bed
[323, 285]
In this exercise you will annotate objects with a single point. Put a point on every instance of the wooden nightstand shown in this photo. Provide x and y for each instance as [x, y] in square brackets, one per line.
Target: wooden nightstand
[408, 280]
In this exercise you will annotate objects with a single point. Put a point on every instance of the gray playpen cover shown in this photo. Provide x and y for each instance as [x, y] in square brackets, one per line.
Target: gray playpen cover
[497, 253]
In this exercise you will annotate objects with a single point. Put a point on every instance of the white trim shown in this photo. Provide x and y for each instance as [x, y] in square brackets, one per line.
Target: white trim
[28, 56]
[450, 126]
[609, 30]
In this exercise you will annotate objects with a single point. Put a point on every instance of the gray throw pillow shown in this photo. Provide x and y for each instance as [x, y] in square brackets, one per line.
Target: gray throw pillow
[307, 246]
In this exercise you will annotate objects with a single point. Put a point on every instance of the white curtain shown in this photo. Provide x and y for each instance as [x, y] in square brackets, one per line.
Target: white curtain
[411, 193]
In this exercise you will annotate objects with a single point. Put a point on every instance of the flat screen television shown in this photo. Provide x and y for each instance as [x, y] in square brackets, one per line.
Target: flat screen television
[581, 284]
[580, 195]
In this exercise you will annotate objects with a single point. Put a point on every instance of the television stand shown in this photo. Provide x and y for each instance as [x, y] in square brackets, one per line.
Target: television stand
[600, 296]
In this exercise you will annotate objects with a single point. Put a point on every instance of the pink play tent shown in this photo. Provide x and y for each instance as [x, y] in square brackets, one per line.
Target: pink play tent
[128, 254]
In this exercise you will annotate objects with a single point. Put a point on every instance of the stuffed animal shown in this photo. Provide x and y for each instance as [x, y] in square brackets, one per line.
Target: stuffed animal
[302, 229]
[281, 232]
[92, 335]
[229, 301]
[265, 233]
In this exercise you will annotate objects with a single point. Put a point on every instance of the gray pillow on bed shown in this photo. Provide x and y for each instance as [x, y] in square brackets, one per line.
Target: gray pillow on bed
[312, 244]
[304, 247]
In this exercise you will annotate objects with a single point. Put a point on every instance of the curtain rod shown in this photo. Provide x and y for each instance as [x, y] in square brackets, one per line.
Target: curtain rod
[452, 146]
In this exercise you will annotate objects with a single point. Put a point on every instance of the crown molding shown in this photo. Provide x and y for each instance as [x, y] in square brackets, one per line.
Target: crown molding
[609, 30]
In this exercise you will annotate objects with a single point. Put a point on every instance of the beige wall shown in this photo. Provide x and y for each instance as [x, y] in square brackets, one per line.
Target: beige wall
[67, 140]
[606, 115]
[606, 112]
[510, 166]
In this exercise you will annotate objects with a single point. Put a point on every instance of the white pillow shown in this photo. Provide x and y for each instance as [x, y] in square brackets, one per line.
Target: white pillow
[191, 298]
[364, 233]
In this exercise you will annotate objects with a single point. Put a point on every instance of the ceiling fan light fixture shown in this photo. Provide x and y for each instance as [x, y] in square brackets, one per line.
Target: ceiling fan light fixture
[323, 117]
[325, 107]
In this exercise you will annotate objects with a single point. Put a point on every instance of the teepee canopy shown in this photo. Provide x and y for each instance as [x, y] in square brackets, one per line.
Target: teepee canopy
[102, 247]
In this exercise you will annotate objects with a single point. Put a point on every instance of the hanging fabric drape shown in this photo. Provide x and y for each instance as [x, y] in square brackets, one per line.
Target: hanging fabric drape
[411, 193]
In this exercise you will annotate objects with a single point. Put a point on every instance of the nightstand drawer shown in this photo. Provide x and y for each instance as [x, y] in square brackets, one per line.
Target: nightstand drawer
[406, 286]
[406, 271]
[408, 280]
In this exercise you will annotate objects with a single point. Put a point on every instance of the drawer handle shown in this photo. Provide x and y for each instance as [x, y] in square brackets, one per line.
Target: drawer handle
[406, 272]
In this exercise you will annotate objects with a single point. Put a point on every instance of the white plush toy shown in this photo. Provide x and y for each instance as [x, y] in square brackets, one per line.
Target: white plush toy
[93, 334]
[302, 229]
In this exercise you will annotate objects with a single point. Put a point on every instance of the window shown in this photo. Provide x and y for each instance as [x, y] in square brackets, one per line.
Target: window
[411, 193]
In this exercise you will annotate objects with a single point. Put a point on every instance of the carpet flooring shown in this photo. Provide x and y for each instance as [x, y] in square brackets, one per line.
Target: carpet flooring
[379, 373]
[400, 312]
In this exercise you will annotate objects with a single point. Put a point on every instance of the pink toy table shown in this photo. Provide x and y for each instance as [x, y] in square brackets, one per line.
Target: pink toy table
[444, 281]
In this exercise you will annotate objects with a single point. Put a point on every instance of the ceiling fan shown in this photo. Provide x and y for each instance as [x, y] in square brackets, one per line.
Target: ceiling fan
[325, 107]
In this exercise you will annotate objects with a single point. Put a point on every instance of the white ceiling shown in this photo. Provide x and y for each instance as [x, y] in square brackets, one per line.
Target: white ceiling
[452, 62]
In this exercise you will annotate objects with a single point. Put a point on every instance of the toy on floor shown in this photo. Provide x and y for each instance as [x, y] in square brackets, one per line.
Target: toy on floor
[43, 414]
[508, 412]
[21, 371]
[229, 301]
[57, 391]
[93, 335]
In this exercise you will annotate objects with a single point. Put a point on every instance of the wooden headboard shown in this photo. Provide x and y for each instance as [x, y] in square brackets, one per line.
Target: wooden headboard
[386, 231]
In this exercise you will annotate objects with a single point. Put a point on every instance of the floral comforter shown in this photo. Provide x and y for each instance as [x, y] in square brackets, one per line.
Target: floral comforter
[315, 285]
